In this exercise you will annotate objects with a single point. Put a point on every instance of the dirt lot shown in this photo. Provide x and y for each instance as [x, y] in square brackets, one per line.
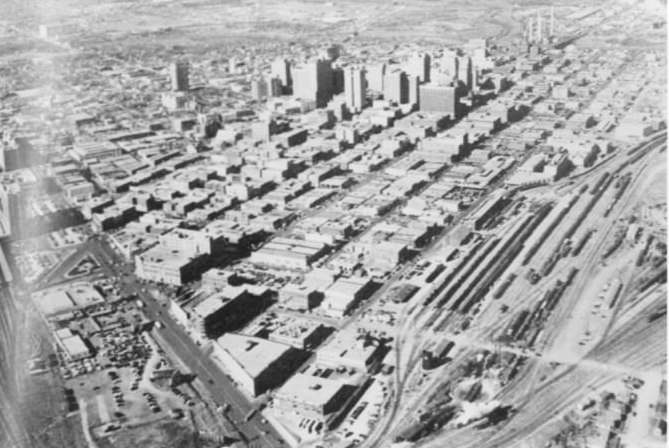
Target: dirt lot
[164, 434]
[43, 410]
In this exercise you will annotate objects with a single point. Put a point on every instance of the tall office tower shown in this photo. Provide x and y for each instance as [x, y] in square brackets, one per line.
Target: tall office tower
[551, 26]
[479, 56]
[313, 81]
[179, 76]
[396, 87]
[337, 80]
[354, 88]
[419, 65]
[259, 89]
[449, 63]
[436, 98]
[427, 66]
[528, 34]
[414, 84]
[232, 65]
[478, 49]
[539, 35]
[475, 78]
[281, 69]
[333, 52]
[375, 74]
[465, 70]
[274, 86]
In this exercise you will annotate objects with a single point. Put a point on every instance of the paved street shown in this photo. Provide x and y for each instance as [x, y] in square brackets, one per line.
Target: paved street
[222, 390]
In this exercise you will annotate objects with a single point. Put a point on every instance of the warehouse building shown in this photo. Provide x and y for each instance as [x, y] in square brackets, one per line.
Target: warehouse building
[171, 266]
[300, 296]
[313, 397]
[346, 293]
[299, 332]
[308, 293]
[290, 253]
[72, 344]
[225, 311]
[256, 364]
[385, 255]
[351, 350]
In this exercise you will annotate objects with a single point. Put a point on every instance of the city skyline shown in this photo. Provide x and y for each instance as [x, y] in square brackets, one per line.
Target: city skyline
[333, 224]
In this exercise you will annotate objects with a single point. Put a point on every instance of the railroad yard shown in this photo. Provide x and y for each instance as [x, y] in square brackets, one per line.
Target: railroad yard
[227, 267]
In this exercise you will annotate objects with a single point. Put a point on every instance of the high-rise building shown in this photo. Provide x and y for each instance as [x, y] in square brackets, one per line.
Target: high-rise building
[333, 52]
[396, 87]
[419, 65]
[478, 49]
[354, 88]
[313, 81]
[337, 80]
[274, 86]
[259, 89]
[233, 65]
[281, 69]
[528, 33]
[475, 78]
[438, 98]
[414, 84]
[539, 32]
[465, 71]
[179, 76]
[449, 63]
[375, 75]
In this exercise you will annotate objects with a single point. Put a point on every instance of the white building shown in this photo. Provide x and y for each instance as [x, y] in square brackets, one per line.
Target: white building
[350, 350]
[355, 89]
[346, 293]
[312, 397]
[256, 364]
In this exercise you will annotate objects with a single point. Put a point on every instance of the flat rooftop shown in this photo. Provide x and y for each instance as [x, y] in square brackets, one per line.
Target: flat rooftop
[310, 390]
[253, 354]
[75, 346]
[348, 345]
[84, 294]
[54, 301]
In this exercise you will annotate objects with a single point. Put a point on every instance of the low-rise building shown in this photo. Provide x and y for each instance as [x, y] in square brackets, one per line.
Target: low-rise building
[351, 350]
[346, 293]
[299, 332]
[256, 364]
[290, 253]
[312, 397]
[72, 344]
[171, 266]
[225, 311]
